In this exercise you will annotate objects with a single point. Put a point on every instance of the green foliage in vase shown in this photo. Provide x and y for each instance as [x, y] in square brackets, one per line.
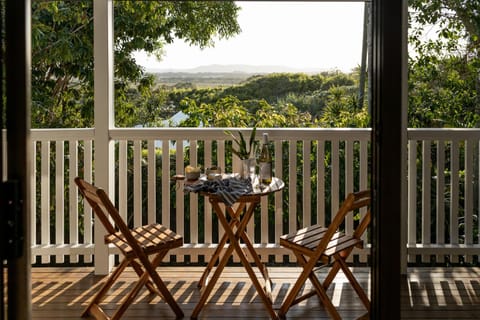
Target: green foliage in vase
[244, 150]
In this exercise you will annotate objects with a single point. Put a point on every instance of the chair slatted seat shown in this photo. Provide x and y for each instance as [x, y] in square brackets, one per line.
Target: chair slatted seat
[143, 249]
[150, 237]
[327, 246]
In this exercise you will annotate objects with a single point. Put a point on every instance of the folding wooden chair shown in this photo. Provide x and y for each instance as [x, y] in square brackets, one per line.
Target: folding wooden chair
[136, 245]
[317, 246]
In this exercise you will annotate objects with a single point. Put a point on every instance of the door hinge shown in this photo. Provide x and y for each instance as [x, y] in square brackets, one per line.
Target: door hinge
[11, 220]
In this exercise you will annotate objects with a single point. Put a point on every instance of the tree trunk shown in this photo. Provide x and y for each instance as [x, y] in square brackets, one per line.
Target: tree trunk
[363, 66]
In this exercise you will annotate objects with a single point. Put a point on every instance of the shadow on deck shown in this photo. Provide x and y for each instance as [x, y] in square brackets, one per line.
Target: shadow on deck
[427, 293]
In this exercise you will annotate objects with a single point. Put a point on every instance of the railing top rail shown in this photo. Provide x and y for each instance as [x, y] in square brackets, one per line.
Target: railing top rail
[219, 133]
[62, 134]
[443, 133]
[274, 133]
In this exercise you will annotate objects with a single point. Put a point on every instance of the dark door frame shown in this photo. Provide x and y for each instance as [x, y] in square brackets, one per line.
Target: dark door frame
[389, 95]
[17, 93]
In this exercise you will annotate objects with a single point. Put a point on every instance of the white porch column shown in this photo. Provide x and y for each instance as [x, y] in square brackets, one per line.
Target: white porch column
[104, 118]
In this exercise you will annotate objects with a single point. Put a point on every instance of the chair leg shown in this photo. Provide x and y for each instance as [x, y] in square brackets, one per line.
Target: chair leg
[167, 296]
[130, 297]
[108, 284]
[331, 275]
[138, 269]
[356, 286]
[319, 290]
[149, 273]
[292, 295]
[324, 298]
[302, 262]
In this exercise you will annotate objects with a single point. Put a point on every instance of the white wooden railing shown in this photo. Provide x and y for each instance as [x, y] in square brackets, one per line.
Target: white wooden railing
[443, 195]
[338, 158]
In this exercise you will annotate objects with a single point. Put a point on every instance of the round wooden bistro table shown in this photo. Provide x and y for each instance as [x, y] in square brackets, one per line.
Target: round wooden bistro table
[240, 213]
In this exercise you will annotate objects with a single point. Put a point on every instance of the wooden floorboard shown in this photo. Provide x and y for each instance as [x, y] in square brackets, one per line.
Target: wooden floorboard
[427, 293]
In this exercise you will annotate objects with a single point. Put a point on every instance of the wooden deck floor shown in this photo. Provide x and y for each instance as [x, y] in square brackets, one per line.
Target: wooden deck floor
[427, 293]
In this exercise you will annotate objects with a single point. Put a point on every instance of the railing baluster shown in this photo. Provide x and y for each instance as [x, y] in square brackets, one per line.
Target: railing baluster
[152, 182]
[412, 196]
[166, 186]
[45, 196]
[59, 196]
[73, 172]
[194, 227]
[33, 195]
[321, 182]
[335, 177]
[454, 196]
[307, 184]
[222, 164]
[208, 223]
[440, 197]
[123, 179]
[137, 183]
[165, 183]
[468, 206]
[279, 195]
[364, 164]
[292, 186]
[264, 227]
[221, 155]
[180, 205]
[88, 213]
[349, 180]
[426, 195]
[363, 183]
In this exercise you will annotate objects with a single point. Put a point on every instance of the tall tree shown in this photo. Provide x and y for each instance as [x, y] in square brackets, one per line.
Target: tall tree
[62, 50]
[445, 64]
[454, 20]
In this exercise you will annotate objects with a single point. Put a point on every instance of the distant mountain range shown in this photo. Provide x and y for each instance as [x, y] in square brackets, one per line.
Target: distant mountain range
[237, 68]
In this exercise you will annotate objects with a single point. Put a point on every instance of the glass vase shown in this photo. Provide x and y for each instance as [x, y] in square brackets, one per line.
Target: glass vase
[248, 168]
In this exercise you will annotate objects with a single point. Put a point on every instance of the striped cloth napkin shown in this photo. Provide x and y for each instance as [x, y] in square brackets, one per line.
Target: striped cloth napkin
[229, 189]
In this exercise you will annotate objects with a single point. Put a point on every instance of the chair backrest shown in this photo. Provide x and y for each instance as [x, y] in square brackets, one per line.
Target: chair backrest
[103, 207]
[354, 201]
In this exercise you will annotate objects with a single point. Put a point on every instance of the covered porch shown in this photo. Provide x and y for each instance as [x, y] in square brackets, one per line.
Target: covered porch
[61, 230]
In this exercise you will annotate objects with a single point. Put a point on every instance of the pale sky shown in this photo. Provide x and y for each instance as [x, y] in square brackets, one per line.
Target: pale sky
[325, 35]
